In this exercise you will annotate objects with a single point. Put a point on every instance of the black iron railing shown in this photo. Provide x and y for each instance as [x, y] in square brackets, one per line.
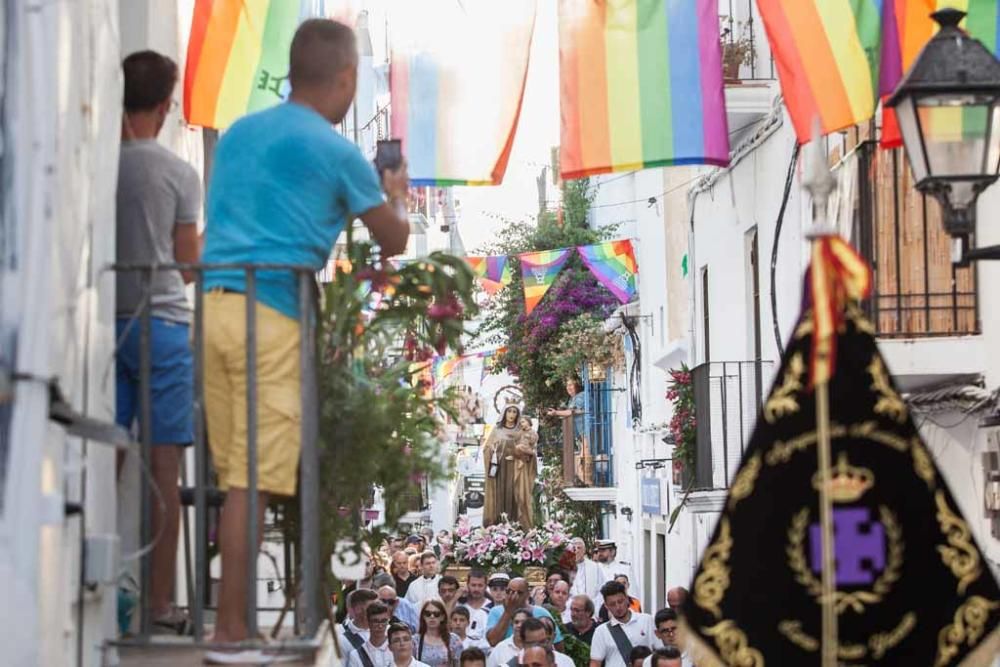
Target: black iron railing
[739, 30]
[310, 608]
[727, 396]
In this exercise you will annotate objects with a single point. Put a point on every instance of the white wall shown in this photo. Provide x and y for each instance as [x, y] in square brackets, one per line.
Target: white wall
[62, 94]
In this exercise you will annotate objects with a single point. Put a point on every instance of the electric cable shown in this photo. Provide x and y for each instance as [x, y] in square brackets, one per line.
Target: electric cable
[774, 247]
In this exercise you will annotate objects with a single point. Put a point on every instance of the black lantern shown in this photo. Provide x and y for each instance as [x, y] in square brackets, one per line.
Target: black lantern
[948, 108]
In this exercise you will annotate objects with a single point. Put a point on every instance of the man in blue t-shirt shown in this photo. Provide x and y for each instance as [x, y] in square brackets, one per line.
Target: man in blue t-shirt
[284, 184]
[499, 624]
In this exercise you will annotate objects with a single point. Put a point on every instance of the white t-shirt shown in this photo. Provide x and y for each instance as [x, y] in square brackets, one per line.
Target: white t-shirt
[380, 656]
[346, 647]
[502, 653]
[477, 620]
[422, 589]
[477, 642]
[640, 632]
[413, 663]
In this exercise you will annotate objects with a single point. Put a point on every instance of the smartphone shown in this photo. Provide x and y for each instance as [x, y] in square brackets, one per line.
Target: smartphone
[388, 154]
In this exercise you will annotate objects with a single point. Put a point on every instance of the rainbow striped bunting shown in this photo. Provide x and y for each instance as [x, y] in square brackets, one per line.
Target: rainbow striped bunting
[613, 264]
[827, 54]
[493, 268]
[237, 57]
[640, 85]
[456, 83]
[539, 271]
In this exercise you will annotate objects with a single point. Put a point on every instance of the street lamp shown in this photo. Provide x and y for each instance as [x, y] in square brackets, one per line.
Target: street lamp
[948, 109]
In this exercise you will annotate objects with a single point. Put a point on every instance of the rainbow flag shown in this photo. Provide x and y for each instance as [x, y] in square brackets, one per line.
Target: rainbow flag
[493, 268]
[907, 27]
[640, 85]
[237, 57]
[827, 54]
[539, 271]
[456, 82]
[613, 264]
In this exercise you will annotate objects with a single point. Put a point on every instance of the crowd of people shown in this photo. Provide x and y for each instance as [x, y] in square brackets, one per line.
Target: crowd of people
[406, 613]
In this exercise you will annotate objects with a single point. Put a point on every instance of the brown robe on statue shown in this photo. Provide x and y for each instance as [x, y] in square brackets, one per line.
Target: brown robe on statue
[505, 493]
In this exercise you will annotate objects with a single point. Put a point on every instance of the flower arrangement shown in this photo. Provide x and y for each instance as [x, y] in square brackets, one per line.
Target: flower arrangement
[506, 546]
[683, 424]
[582, 340]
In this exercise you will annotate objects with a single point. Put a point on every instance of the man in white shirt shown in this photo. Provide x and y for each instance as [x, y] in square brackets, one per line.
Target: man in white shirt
[401, 646]
[354, 632]
[477, 603]
[668, 632]
[510, 647]
[627, 629]
[538, 656]
[426, 586]
[590, 575]
[375, 651]
[532, 633]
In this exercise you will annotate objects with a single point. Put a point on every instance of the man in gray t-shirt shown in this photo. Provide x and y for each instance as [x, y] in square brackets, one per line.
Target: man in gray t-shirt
[159, 199]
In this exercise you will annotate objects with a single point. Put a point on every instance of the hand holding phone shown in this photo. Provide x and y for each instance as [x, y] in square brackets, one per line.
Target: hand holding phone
[388, 155]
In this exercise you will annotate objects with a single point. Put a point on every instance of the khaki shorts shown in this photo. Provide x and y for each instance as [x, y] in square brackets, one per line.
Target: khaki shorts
[279, 405]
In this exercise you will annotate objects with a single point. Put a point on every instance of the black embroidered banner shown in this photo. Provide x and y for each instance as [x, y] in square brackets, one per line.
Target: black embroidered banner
[912, 587]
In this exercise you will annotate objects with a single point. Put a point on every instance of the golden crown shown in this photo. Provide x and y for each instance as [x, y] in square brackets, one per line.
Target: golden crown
[847, 483]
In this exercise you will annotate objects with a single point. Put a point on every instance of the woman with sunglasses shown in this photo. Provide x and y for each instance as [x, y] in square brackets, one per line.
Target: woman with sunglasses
[435, 644]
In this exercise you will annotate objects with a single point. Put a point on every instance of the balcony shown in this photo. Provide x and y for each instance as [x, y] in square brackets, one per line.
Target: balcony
[728, 396]
[588, 459]
[748, 67]
[921, 303]
[306, 638]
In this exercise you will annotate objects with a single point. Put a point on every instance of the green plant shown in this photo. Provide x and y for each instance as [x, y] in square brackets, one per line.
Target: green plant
[737, 45]
[683, 423]
[579, 519]
[378, 332]
[529, 338]
[582, 340]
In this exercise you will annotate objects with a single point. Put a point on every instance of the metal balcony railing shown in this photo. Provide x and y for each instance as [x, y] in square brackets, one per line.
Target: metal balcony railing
[917, 291]
[587, 458]
[727, 397]
[741, 28]
[309, 606]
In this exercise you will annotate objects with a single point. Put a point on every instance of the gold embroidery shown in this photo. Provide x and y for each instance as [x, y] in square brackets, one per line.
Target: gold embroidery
[883, 642]
[843, 600]
[961, 557]
[851, 651]
[734, 649]
[922, 462]
[879, 643]
[889, 404]
[745, 480]
[966, 628]
[861, 323]
[710, 586]
[847, 483]
[793, 632]
[805, 328]
[782, 400]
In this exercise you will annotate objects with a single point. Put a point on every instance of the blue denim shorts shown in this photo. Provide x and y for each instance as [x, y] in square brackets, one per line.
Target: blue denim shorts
[171, 381]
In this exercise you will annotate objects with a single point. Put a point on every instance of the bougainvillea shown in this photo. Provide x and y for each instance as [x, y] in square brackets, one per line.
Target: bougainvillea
[683, 424]
[529, 339]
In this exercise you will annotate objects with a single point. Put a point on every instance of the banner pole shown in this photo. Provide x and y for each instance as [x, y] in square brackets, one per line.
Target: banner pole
[828, 581]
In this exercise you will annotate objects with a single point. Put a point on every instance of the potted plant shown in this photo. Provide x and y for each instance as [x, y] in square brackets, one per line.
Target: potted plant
[683, 424]
[737, 47]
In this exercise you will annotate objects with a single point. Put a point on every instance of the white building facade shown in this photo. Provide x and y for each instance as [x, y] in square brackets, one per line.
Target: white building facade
[722, 254]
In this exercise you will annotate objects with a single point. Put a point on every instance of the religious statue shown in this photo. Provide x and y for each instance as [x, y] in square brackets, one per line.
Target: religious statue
[511, 468]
